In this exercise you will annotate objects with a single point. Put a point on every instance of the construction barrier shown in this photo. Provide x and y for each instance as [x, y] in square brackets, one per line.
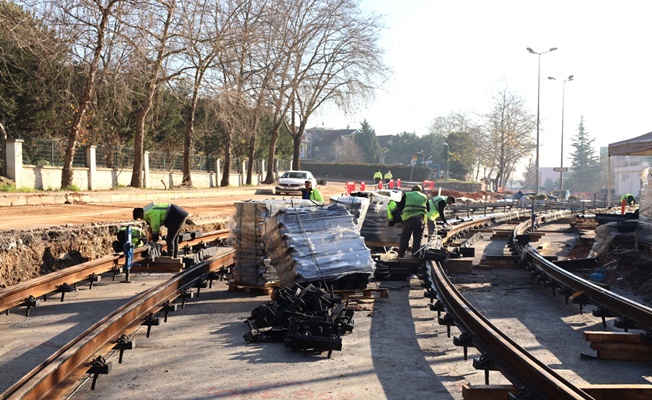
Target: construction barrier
[391, 184]
[350, 187]
[623, 203]
[363, 186]
[428, 185]
[380, 185]
[398, 183]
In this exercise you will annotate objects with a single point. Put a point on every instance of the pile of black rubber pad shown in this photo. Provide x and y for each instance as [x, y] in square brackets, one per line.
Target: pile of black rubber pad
[305, 318]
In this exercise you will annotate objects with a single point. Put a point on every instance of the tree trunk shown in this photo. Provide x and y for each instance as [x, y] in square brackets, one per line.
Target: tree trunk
[226, 170]
[187, 142]
[252, 155]
[139, 150]
[270, 178]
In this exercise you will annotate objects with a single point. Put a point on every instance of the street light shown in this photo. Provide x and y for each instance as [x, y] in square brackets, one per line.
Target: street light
[536, 162]
[561, 164]
[447, 156]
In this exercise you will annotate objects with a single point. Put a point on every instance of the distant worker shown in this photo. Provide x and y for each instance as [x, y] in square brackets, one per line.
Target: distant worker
[630, 200]
[138, 238]
[388, 176]
[378, 176]
[393, 213]
[162, 214]
[413, 206]
[308, 193]
[436, 206]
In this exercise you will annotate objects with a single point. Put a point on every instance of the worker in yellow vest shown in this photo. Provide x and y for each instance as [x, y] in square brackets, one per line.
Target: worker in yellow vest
[413, 206]
[388, 176]
[378, 176]
[436, 206]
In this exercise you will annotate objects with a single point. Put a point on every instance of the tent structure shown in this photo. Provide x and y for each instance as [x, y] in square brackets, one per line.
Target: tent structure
[638, 146]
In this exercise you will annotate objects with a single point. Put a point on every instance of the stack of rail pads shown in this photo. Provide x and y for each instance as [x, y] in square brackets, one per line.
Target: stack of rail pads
[375, 228]
[316, 243]
[357, 206]
[304, 241]
[246, 236]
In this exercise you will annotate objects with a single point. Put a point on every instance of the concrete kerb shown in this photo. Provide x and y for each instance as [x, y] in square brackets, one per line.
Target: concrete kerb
[135, 195]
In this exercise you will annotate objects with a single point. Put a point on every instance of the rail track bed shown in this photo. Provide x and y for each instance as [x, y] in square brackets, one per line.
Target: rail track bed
[397, 349]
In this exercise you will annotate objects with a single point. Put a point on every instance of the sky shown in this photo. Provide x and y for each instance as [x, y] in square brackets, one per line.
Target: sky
[451, 56]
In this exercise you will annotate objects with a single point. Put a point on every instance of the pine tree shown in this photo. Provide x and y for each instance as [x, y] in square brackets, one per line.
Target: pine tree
[585, 173]
[367, 141]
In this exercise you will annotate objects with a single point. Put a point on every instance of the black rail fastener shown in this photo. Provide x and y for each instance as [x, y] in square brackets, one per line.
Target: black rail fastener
[425, 283]
[603, 312]
[581, 299]
[124, 343]
[430, 293]
[566, 292]
[554, 285]
[521, 394]
[465, 340]
[99, 366]
[92, 278]
[449, 320]
[214, 276]
[438, 306]
[199, 285]
[168, 307]
[185, 294]
[485, 362]
[116, 269]
[151, 320]
[625, 323]
[63, 289]
[29, 302]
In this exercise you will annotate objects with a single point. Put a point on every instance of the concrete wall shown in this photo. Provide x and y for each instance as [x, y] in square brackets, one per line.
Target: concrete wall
[94, 178]
[628, 180]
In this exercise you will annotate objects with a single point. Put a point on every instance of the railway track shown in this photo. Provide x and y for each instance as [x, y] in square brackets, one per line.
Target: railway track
[531, 378]
[72, 361]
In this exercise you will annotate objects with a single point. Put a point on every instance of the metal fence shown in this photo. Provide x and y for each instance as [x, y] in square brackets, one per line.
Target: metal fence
[44, 152]
[116, 157]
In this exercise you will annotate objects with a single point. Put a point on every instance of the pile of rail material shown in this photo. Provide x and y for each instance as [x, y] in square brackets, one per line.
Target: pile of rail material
[246, 236]
[307, 319]
[357, 206]
[376, 229]
[316, 244]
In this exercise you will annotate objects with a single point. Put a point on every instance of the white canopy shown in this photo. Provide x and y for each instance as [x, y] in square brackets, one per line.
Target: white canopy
[638, 146]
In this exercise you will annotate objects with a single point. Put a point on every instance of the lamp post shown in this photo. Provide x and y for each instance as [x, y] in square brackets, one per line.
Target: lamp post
[561, 164]
[536, 162]
[447, 162]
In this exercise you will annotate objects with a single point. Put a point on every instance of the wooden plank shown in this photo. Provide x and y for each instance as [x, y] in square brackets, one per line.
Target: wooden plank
[611, 346]
[599, 392]
[623, 355]
[265, 290]
[620, 337]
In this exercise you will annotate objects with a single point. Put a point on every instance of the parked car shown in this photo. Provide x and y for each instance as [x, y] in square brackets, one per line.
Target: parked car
[293, 181]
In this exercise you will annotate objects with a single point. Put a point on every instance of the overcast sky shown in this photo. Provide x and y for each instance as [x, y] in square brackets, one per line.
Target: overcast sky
[452, 55]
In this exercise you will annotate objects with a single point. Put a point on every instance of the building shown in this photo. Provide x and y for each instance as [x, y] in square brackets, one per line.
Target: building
[324, 144]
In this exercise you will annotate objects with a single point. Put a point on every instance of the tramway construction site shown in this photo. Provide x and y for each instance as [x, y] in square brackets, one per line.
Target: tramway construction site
[277, 297]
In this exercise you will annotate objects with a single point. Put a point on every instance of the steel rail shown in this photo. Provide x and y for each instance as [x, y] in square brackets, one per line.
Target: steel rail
[515, 363]
[617, 305]
[15, 295]
[72, 360]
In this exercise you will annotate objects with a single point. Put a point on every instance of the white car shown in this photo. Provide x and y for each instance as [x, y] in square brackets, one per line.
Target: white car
[293, 181]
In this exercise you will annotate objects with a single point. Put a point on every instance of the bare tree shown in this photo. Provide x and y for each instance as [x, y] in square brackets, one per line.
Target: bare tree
[340, 64]
[84, 25]
[508, 134]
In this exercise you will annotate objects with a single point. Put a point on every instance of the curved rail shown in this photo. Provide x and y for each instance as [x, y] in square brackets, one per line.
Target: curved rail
[48, 380]
[631, 313]
[519, 366]
[16, 295]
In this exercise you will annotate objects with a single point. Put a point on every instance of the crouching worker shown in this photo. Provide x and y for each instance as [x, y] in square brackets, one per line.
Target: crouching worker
[138, 238]
[162, 214]
[393, 213]
[436, 206]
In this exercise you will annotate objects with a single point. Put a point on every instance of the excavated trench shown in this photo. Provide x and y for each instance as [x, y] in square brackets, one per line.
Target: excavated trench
[28, 254]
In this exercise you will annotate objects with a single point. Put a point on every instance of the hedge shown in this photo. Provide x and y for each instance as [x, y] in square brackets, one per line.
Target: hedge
[364, 172]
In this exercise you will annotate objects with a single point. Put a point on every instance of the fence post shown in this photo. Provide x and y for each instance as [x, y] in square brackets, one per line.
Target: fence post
[146, 169]
[243, 175]
[91, 163]
[14, 153]
[262, 171]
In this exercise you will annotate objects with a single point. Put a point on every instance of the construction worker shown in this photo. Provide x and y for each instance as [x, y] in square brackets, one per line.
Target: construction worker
[393, 213]
[308, 193]
[630, 200]
[378, 176]
[436, 206]
[138, 238]
[413, 206]
[162, 214]
[388, 176]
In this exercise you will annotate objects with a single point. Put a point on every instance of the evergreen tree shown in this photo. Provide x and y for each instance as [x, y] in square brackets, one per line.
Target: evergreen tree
[529, 176]
[367, 141]
[585, 175]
